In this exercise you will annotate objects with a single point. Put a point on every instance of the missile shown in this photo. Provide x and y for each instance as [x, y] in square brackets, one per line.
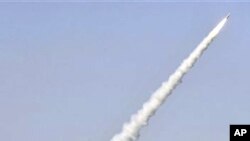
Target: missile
[228, 15]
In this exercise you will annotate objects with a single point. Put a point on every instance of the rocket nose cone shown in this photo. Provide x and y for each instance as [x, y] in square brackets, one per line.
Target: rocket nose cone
[228, 15]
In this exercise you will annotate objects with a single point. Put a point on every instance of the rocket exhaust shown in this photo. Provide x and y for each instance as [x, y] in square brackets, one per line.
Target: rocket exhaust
[130, 130]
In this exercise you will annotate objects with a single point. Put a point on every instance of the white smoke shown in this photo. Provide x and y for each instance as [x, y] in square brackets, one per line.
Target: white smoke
[130, 130]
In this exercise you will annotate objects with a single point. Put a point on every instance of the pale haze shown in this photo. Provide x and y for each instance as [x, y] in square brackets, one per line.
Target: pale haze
[78, 71]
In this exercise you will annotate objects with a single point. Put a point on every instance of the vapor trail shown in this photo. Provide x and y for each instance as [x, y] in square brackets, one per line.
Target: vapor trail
[130, 131]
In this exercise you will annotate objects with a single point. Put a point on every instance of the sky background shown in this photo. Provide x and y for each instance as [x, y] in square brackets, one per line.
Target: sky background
[78, 71]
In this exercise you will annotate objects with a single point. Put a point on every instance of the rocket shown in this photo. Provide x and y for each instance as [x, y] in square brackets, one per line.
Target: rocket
[228, 15]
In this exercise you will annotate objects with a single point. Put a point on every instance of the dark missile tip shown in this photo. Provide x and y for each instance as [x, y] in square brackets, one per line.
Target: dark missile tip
[228, 15]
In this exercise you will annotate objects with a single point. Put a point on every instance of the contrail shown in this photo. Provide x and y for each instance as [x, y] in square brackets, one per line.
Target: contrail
[130, 130]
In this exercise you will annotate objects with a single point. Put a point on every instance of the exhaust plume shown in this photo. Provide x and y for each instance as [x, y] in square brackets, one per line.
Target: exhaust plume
[130, 130]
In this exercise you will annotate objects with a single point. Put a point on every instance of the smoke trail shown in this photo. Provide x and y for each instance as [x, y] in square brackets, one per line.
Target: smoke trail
[130, 131]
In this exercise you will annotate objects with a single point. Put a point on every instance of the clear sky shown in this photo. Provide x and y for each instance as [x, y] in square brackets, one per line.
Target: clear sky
[77, 71]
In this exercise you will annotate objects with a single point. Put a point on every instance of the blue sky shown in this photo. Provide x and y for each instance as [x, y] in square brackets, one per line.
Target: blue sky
[77, 71]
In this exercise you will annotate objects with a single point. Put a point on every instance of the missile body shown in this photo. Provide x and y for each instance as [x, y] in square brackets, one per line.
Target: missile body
[228, 15]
